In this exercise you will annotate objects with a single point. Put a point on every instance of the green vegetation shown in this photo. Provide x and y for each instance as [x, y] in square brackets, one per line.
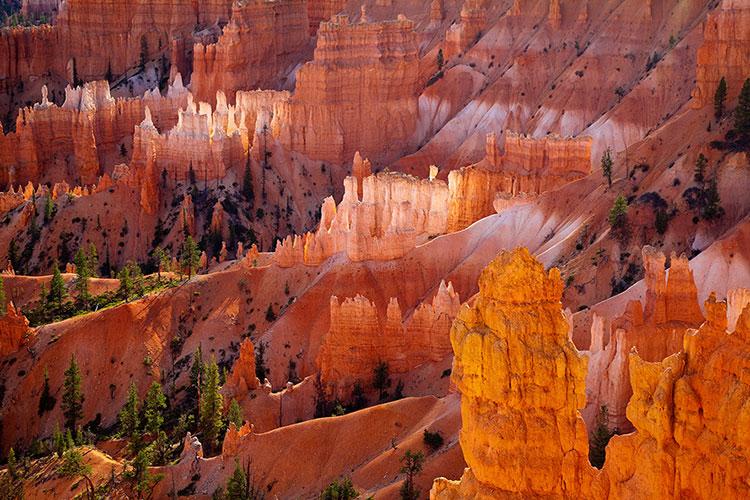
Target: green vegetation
[433, 440]
[606, 163]
[189, 256]
[720, 98]
[235, 414]
[742, 113]
[700, 169]
[72, 398]
[46, 400]
[211, 405]
[618, 217]
[339, 489]
[412, 466]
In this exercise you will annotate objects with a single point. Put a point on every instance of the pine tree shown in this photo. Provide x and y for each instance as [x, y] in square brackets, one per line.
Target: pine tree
[74, 466]
[619, 213]
[161, 259]
[212, 404]
[237, 485]
[58, 441]
[72, 399]
[46, 400]
[49, 209]
[197, 375]
[381, 378]
[712, 209]
[57, 290]
[413, 463]
[125, 289]
[742, 113]
[342, 489]
[189, 256]
[720, 98]
[129, 415]
[93, 260]
[235, 414]
[81, 261]
[700, 168]
[440, 59]
[153, 409]
[607, 166]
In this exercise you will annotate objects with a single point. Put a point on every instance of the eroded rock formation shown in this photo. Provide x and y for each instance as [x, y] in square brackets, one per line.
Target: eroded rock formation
[655, 329]
[14, 328]
[372, 64]
[254, 49]
[528, 167]
[725, 52]
[521, 382]
[358, 339]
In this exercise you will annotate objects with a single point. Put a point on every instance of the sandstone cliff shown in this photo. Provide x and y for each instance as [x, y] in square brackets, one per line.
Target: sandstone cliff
[358, 339]
[395, 213]
[725, 52]
[256, 49]
[372, 64]
[14, 328]
[528, 167]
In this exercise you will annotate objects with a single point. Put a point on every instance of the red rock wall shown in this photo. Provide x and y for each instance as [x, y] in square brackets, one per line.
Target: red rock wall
[725, 52]
[254, 49]
[358, 340]
[363, 76]
[322, 10]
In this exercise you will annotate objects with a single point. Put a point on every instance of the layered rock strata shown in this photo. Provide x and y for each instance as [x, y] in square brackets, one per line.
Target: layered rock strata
[358, 339]
[725, 52]
[655, 329]
[527, 167]
[14, 328]
[254, 49]
[363, 75]
[395, 212]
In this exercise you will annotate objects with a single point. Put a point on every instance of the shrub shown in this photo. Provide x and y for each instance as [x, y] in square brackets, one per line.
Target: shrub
[433, 440]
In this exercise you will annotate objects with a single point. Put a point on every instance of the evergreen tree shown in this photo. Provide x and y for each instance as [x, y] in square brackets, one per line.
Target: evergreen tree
[440, 59]
[58, 441]
[618, 215]
[339, 489]
[607, 166]
[49, 209]
[412, 466]
[57, 290]
[197, 374]
[700, 168]
[74, 466]
[161, 260]
[46, 400]
[237, 485]
[3, 309]
[712, 209]
[742, 113]
[381, 378]
[138, 474]
[189, 256]
[153, 408]
[129, 415]
[720, 97]
[125, 289]
[93, 260]
[81, 261]
[235, 414]
[13, 254]
[211, 405]
[72, 399]
[11, 485]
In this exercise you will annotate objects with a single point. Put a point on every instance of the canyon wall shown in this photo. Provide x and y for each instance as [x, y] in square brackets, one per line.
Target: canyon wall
[322, 10]
[359, 93]
[254, 50]
[395, 213]
[466, 32]
[725, 52]
[528, 167]
[358, 339]
[14, 327]
[75, 142]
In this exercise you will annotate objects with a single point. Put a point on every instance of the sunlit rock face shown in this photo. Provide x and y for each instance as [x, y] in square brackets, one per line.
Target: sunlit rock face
[521, 382]
[363, 75]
